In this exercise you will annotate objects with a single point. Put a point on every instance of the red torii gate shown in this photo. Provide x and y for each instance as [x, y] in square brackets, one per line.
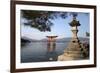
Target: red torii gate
[51, 43]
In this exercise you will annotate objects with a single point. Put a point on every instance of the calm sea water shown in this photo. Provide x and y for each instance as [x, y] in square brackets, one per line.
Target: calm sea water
[38, 52]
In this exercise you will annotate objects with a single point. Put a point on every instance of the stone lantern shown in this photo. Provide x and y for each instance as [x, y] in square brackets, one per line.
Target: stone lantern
[73, 51]
[74, 43]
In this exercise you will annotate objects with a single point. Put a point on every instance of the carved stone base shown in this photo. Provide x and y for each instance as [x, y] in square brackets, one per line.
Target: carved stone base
[70, 55]
[74, 45]
[72, 52]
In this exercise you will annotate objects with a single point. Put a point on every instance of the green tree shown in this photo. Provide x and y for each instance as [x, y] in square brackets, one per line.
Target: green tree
[41, 20]
[87, 34]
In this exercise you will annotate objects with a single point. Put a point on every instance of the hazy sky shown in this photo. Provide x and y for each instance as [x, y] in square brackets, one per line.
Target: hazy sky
[60, 28]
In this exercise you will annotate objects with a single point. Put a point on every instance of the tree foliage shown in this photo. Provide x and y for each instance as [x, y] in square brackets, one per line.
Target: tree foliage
[41, 20]
[87, 34]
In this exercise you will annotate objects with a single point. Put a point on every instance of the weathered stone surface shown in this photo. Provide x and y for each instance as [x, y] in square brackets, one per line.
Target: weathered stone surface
[73, 51]
[63, 57]
[70, 55]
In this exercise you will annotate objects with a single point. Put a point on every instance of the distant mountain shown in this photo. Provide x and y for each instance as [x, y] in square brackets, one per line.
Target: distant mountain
[28, 39]
[83, 39]
[57, 40]
[63, 39]
[67, 39]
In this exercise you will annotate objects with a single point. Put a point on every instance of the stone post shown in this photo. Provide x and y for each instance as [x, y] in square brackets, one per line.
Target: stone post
[73, 51]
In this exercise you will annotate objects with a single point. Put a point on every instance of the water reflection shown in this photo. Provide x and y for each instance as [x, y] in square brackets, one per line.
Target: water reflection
[40, 52]
[51, 53]
[51, 56]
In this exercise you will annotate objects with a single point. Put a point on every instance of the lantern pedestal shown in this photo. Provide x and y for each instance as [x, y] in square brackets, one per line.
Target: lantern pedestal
[73, 51]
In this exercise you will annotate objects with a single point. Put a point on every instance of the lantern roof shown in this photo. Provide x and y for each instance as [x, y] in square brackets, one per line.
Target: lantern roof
[74, 22]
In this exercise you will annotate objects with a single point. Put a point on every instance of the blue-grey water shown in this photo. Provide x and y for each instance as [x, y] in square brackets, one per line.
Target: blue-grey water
[38, 52]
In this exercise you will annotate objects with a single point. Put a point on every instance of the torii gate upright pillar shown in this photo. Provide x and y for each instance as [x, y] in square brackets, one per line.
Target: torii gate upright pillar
[51, 43]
